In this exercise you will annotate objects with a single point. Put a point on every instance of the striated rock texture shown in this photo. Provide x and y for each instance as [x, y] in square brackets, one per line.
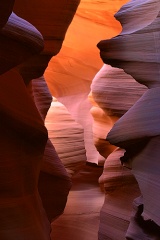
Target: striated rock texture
[114, 92]
[5, 11]
[81, 215]
[52, 19]
[52, 174]
[136, 50]
[67, 136]
[70, 73]
[19, 40]
[132, 49]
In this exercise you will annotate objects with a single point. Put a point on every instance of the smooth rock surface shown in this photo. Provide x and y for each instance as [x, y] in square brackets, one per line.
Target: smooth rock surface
[137, 46]
[52, 174]
[67, 136]
[113, 92]
[81, 216]
[70, 73]
[28, 159]
[5, 11]
[136, 50]
[23, 140]
[52, 19]
[19, 40]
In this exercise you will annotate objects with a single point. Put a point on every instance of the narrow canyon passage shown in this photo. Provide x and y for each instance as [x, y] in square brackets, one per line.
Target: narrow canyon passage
[81, 215]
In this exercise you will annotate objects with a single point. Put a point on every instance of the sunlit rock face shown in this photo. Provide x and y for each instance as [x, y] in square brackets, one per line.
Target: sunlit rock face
[70, 73]
[113, 92]
[67, 137]
[136, 50]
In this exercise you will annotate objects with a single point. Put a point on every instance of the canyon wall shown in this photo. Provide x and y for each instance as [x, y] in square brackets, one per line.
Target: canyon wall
[136, 51]
[34, 182]
[101, 135]
[70, 73]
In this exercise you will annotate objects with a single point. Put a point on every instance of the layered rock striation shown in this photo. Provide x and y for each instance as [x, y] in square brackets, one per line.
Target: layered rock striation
[67, 136]
[114, 92]
[136, 50]
[70, 73]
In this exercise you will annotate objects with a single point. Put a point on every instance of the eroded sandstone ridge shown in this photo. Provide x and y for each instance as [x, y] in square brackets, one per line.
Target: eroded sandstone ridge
[70, 73]
[114, 92]
[34, 183]
[137, 50]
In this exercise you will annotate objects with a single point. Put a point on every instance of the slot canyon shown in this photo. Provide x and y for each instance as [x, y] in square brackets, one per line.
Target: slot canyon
[79, 90]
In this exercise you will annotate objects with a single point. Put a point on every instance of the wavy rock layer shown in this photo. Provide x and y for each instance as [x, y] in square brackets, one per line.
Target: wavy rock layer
[19, 40]
[26, 149]
[5, 11]
[67, 136]
[121, 188]
[53, 174]
[132, 49]
[136, 50]
[69, 74]
[52, 18]
[113, 92]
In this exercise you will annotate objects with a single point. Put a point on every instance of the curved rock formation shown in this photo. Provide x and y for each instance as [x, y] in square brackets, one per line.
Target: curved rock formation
[23, 139]
[28, 159]
[52, 174]
[132, 49]
[114, 92]
[70, 73]
[67, 136]
[5, 11]
[22, 39]
[52, 18]
[81, 215]
[136, 50]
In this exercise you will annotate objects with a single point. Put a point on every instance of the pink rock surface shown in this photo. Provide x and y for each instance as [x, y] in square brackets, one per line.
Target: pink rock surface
[67, 136]
[70, 73]
[81, 215]
[113, 92]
